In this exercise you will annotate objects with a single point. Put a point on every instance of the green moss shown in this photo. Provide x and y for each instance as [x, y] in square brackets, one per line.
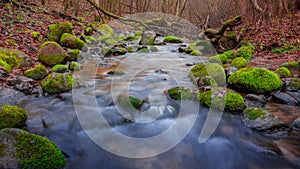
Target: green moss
[294, 85]
[8, 62]
[36, 152]
[246, 51]
[221, 58]
[51, 53]
[215, 71]
[14, 58]
[105, 29]
[258, 80]
[37, 73]
[254, 113]
[239, 62]
[12, 117]
[180, 93]
[35, 35]
[131, 49]
[196, 53]
[71, 41]
[74, 66]
[153, 48]
[103, 38]
[60, 68]
[73, 54]
[2, 148]
[6, 66]
[291, 65]
[173, 39]
[90, 39]
[57, 30]
[116, 72]
[111, 42]
[283, 72]
[204, 43]
[88, 31]
[56, 83]
[285, 49]
[231, 34]
[130, 101]
[144, 50]
[234, 102]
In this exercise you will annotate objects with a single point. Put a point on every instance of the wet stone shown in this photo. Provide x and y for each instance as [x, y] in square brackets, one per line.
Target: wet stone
[284, 98]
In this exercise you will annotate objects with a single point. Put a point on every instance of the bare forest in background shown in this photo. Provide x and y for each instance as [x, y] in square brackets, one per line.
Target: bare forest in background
[202, 13]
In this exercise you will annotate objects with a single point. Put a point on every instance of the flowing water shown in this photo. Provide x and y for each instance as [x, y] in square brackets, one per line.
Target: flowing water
[147, 76]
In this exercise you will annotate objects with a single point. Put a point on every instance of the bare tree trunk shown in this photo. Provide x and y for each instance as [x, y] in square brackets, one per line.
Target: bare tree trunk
[256, 6]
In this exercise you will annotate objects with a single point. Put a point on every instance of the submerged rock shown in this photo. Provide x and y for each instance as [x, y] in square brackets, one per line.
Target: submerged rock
[261, 120]
[148, 38]
[20, 149]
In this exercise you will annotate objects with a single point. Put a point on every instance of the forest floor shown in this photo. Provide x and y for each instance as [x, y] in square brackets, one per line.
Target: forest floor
[277, 41]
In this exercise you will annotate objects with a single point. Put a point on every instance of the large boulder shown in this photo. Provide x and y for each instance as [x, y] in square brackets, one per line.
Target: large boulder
[12, 117]
[51, 53]
[37, 73]
[71, 41]
[257, 80]
[57, 30]
[11, 58]
[261, 120]
[20, 149]
[56, 83]
[148, 38]
[234, 102]
[211, 71]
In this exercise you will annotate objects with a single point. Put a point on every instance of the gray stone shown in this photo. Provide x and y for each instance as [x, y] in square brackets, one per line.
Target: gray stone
[148, 38]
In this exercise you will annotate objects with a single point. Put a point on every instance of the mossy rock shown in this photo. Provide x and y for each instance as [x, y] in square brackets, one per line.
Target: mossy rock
[51, 53]
[73, 54]
[119, 51]
[132, 49]
[57, 30]
[74, 66]
[129, 102]
[71, 41]
[246, 51]
[221, 58]
[261, 120]
[283, 72]
[234, 102]
[89, 39]
[293, 85]
[215, 71]
[144, 50]
[12, 117]
[56, 83]
[196, 53]
[35, 35]
[105, 29]
[111, 42]
[60, 68]
[239, 62]
[33, 151]
[148, 38]
[291, 65]
[257, 80]
[153, 49]
[88, 31]
[37, 73]
[116, 72]
[173, 39]
[180, 93]
[11, 58]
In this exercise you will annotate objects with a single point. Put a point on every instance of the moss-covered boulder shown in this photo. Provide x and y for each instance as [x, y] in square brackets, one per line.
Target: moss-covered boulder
[291, 65]
[51, 53]
[215, 71]
[293, 85]
[234, 102]
[246, 51]
[196, 53]
[221, 58]
[257, 80]
[11, 58]
[29, 151]
[283, 72]
[180, 93]
[56, 83]
[12, 117]
[71, 41]
[261, 120]
[148, 38]
[74, 66]
[57, 30]
[37, 73]
[173, 39]
[60, 68]
[129, 102]
[239, 62]
[73, 54]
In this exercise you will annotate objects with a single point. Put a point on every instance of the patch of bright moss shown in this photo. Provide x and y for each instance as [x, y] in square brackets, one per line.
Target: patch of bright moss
[284, 49]
[173, 39]
[51, 53]
[144, 50]
[57, 30]
[12, 117]
[254, 113]
[258, 80]
[180, 93]
[239, 62]
[234, 102]
[60, 68]
[37, 73]
[12, 57]
[57, 83]
[246, 51]
[283, 72]
[89, 39]
[35, 35]
[71, 41]
[35, 152]
[196, 53]
[105, 29]
[209, 69]
[73, 54]
[88, 31]
[74, 66]
[130, 101]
